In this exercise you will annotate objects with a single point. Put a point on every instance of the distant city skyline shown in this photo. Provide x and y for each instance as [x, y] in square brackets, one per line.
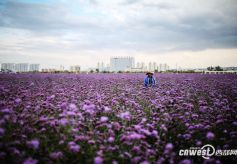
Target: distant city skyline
[192, 34]
[106, 62]
[126, 64]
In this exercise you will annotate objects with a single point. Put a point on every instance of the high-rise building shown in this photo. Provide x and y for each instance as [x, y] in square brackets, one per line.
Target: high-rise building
[163, 67]
[138, 65]
[107, 68]
[8, 67]
[22, 67]
[98, 65]
[154, 66]
[121, 63]
[142, 66]
[61, 68]
[34, 68]
[75, 68]
[48, 70]
[102, 67]
[150, 66]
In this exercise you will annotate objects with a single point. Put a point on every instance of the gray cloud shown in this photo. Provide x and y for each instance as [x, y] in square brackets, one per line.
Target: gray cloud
[146, 26]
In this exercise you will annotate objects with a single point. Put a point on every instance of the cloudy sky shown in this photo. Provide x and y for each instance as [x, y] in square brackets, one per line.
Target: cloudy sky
[190, 33]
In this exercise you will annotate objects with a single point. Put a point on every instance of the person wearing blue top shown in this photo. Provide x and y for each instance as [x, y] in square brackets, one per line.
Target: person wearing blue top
[149, 80]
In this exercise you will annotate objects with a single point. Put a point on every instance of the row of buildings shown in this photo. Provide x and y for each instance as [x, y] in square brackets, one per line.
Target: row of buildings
[20, 67]
[117, 64]
[127, 64]
[26, 67]
[73, 69]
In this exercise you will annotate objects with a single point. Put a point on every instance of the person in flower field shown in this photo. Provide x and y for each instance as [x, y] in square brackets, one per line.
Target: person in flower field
[149, 80]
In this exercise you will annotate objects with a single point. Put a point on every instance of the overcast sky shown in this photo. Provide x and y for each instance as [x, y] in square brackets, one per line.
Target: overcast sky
[191, 33]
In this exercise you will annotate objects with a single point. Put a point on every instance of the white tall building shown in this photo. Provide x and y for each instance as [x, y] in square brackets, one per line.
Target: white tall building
[22, 67]
[101, 67]
[8, 66]
[98, 65]
[107, 67]
[75, 68]
[143, 66]
[150, 66]
[163, 67]
[34, 68]
[61, 68]
[154, 66]
[121, 63]
[138, 65]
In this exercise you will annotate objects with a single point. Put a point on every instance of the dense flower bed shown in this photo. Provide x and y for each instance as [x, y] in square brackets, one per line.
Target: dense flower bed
[112, 118]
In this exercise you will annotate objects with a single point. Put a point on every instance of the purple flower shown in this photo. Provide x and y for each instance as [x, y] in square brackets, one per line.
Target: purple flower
[106, 113]
[134, 136]
[90, 109]
[145, 131]
[30, 161]
[14, 151]
[70, 113]
[107, 109]
[185, 161]
[210, 136]
[2, 131]
[203, 109]
[49, 98]
[98, 160]
[111, 139]
[73, 147]
[72, 107]
[104, 119]
[18, 100]
[63, 121]
[199, 143]
[187, 136]
[125, 116]
[154, 133]
[114, 162]
[91, 142]
[56, 155]
[81, 138]
[116, 126]
[33, 144]
[235, 123]
[61, 142]
[169, 146]
[6, 111]
[145, 162]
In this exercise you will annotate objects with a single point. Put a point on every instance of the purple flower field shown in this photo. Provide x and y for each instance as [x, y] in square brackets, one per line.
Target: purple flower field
[112, 118]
